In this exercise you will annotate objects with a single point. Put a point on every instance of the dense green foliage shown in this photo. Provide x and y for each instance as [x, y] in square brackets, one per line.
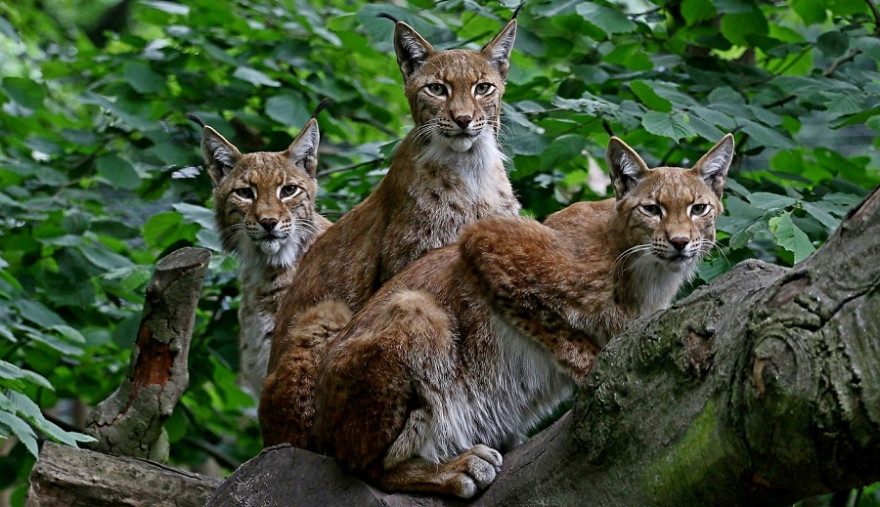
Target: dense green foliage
[99, 168]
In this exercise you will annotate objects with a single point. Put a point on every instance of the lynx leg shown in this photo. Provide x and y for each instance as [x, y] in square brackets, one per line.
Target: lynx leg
[463, 475]
[376, 382]
[286, 406]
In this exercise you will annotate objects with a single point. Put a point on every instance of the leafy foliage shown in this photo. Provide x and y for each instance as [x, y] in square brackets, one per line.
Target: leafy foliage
[99, 167]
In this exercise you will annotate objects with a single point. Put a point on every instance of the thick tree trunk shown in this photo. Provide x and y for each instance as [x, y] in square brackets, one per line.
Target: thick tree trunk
[761, 388]
[129, 421]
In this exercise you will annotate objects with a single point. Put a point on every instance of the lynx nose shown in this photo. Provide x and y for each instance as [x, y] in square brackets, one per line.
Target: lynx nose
[268, 223]
[463, 120]
[679, 242]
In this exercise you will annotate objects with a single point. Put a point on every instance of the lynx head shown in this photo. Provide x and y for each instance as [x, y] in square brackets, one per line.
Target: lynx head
[454, 95]
[264, 202]
[669, 212]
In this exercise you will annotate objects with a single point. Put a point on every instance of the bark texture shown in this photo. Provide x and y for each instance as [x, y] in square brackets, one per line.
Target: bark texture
[65, 476]
[761, 388]
[129, 421]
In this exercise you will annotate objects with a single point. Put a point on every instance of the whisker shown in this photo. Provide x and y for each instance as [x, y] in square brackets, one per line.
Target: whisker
[621, 259]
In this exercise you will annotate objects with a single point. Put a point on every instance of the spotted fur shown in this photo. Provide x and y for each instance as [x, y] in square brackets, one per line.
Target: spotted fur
[264, 207]
[447, 172]
[474, 343]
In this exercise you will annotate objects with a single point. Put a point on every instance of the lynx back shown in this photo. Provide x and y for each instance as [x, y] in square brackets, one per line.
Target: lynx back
[456, 357]
[447, 172]
[264, 207]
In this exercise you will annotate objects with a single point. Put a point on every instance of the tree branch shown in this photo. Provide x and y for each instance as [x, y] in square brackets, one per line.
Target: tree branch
[760, 388]
[129, 421]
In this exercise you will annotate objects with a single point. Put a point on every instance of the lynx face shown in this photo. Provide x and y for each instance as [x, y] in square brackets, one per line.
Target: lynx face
[455, 95]
[670, 212]
[264, 202]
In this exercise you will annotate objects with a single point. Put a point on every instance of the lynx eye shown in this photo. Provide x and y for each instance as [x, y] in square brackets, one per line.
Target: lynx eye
[652, 210]
[483, 89]
[244, 193]
[437, 89]
[288, 191]
[699, 209]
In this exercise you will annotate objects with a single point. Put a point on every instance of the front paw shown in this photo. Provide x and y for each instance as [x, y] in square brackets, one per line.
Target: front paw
[480, 466]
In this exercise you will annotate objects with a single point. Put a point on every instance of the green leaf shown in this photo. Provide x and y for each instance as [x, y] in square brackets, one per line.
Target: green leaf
[38, 313]
[697, 10]
[142, 78]
[11, 371]
[25, 92]
[811, 11]
[117, 172]
[817, 211]
[104, 258]
[771, 202]
[254, 77]
[870, 46]
[833, 44]
[791, 237]
[288, 109]
[169, 7]
[19, 428]
[766, 136]
[667, 125]
[164, 229]
[737, 27]
[649, 97]
[609, 20]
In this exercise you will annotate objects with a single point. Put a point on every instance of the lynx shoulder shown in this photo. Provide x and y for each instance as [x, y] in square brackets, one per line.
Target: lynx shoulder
[264, 208]
[455, 358]
[447, 172]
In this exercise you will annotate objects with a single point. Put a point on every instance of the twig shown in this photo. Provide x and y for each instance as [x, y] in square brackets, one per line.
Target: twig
[222, 458]
[873, 6]
[373, 123]
[350, 167]
[850, 56]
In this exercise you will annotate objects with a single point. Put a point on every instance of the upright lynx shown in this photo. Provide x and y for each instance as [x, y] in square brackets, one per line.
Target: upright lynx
[264, 206]
[456, 357]
[447, 172]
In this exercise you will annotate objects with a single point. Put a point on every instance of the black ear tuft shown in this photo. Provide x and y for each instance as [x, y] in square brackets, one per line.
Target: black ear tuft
[412, 50]
[220, 155]
[385, 15]
[498, 50]
[321, 106]
[195, 119]
[303, 151]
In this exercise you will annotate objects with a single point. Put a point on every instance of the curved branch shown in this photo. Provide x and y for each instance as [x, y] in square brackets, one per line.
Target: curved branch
[760, 388]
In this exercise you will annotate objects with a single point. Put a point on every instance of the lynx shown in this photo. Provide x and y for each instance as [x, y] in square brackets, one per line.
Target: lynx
[455, 358]
[264, 206]
[447, 172]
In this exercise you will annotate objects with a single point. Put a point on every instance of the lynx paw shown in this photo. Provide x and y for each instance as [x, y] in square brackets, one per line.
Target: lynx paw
[480, 466]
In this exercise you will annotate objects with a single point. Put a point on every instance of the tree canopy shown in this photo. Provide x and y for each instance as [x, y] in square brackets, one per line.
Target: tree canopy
[100, 170]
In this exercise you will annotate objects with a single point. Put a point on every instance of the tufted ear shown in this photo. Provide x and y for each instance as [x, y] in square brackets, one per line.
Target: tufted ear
[498, 50]
[714, 164]
[412, 50]
[625, 165]
[220, 155]
[303, 151]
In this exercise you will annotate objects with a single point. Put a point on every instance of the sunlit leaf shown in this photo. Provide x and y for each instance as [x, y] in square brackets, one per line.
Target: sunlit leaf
[791, 237]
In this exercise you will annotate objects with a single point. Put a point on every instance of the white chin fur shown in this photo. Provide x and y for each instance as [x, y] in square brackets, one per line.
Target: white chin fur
[270, 246]
[462, 144]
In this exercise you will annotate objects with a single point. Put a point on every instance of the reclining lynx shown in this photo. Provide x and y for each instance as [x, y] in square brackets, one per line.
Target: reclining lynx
[447, 172]
[462, 352]
[264, 206]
